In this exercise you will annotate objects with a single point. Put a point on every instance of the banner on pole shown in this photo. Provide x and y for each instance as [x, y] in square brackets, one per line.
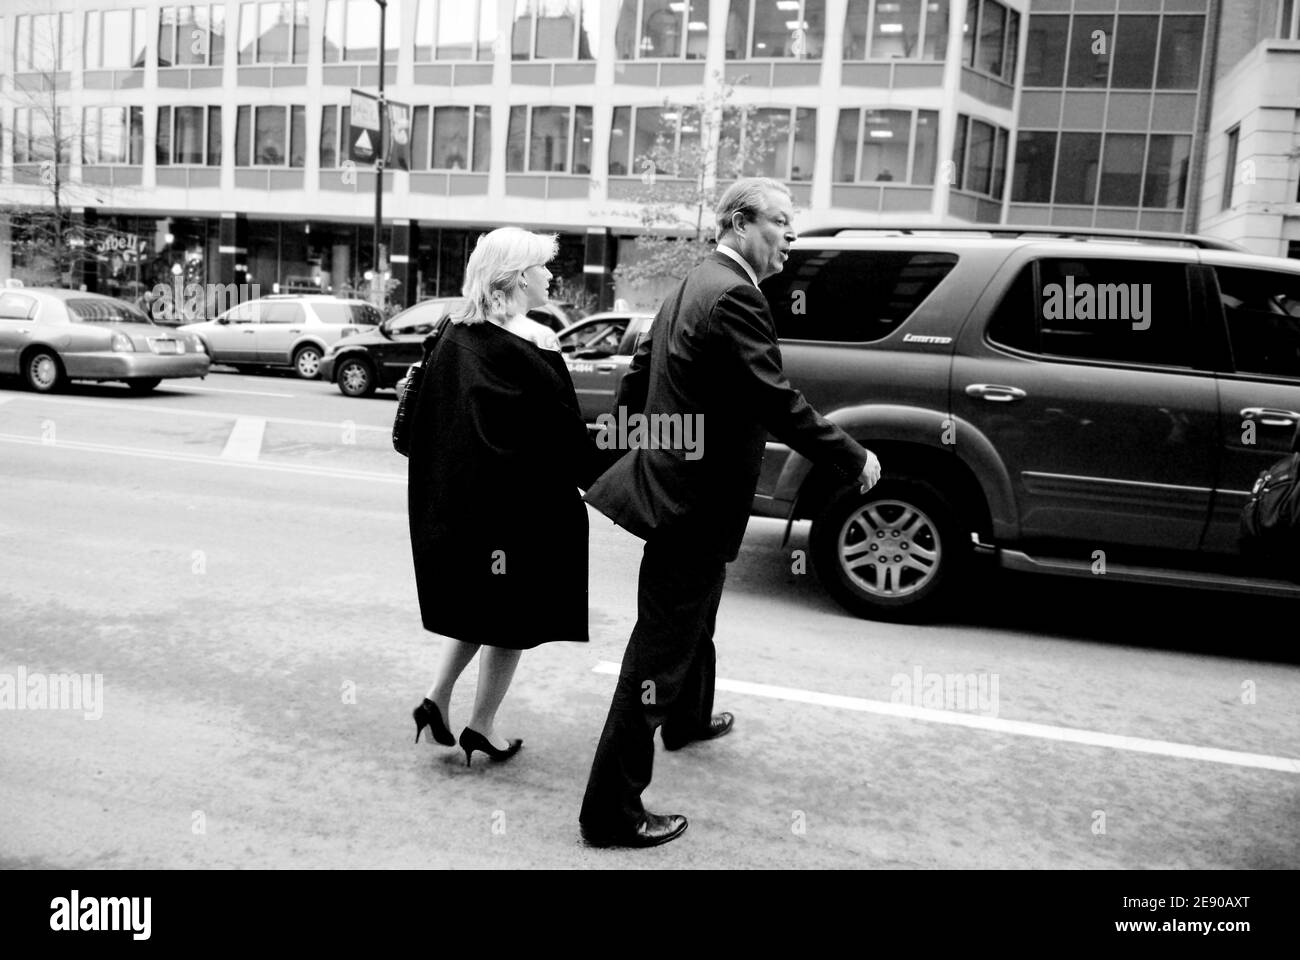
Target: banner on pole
[399, 136]
[363, 128]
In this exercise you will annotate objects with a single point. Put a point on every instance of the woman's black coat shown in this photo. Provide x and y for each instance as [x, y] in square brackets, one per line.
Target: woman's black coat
[498, 527]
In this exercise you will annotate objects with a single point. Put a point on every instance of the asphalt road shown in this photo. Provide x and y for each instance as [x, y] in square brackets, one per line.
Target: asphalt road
[231, 557]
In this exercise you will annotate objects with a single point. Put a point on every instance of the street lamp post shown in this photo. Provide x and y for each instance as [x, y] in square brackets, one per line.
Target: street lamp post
[379, 162]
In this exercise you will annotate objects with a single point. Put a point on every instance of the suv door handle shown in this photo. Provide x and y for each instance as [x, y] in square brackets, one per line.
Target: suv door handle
[1271, 417]
[994, 392]
[250, 331]
[606, 367]
[295, 329]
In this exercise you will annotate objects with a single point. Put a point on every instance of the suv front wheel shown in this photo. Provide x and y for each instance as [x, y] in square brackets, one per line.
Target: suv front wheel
[892, 553]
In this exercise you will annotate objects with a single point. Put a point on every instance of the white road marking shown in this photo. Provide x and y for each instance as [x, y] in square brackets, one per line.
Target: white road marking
[247, 393]
[245, 440]
[1022, 728]
[365, 475]
[119, 408]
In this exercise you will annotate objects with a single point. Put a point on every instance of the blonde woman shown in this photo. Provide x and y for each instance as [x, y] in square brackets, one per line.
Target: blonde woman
[498, 526]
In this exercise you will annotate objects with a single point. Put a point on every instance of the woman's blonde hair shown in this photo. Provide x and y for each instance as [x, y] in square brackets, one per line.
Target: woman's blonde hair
[495, 268]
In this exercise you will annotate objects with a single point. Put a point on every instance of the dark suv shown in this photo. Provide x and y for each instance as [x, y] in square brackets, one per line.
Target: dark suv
[1082, 405]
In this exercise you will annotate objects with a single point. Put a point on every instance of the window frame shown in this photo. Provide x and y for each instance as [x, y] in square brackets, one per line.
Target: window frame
[138, 25]
[580, 27]
[571, 143]
[639, 38]
[478, 45]
[209, 112]
[1230, 166]
[297, 57]
[1000, 144]
[800, 56]
[1008, 42]
[210, 58]
[792, 131]
[62, 42]
[292, 111]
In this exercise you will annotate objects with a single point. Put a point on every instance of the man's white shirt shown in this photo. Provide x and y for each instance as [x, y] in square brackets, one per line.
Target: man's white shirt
[749, 271]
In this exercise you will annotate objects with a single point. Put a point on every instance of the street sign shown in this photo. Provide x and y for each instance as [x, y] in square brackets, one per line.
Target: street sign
[363, 128]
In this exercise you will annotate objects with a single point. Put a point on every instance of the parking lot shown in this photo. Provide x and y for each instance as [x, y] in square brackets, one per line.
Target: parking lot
[231, 557]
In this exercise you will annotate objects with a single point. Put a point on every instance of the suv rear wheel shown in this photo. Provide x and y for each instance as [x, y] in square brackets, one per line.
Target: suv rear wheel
[306, 362]
[892, 553]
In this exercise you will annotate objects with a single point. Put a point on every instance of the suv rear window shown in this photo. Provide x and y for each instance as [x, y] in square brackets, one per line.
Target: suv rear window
[106, 311]
[854, 296]
[341, 313]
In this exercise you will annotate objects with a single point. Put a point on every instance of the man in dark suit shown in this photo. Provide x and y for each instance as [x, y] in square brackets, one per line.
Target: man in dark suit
[711, 355]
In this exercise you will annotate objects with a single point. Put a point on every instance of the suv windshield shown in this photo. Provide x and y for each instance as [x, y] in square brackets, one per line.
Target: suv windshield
[341, 313]
[106, 311]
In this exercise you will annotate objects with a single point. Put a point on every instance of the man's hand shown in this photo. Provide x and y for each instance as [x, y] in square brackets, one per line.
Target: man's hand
[870, 472]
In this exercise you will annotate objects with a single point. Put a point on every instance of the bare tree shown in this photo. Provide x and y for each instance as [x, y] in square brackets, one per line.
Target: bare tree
[697, 150]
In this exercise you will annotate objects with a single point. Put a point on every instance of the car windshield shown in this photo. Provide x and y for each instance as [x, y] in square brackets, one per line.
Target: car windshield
[106, 311]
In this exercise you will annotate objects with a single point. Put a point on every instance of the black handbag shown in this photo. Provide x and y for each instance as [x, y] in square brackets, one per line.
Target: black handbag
[1270, 521]
[404, 420]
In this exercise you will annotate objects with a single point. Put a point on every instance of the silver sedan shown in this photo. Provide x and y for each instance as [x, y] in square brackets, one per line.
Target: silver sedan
[49, 336]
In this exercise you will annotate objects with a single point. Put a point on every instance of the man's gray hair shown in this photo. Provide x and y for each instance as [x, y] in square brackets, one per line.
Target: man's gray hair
[746, 196]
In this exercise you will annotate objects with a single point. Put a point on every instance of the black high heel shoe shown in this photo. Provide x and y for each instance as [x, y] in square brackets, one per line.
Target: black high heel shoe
[428, 715]
[471, 740]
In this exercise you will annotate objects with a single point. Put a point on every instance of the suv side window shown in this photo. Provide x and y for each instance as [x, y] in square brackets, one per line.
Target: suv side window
[1130, 311]
[854, 296]
[280, 311]
[1262, 309]
[1015, 322]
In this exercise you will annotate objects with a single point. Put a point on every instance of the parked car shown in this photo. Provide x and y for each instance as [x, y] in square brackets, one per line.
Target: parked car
[597, 351]
[361, 365]
[49, 336]
[376, 360]
[284, 330]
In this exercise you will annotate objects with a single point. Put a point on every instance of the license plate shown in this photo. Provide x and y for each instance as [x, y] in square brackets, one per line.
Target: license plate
[165, 346]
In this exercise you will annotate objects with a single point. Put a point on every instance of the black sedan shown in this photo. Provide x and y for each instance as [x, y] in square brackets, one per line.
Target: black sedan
[367, 362]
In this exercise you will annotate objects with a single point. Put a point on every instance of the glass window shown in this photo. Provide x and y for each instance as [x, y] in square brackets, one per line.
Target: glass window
[420, 136]
[352, 31]
[297, 136]
[1262, 310]
[1179, 66]
[737, 35]
[455, 31]
[619, 140]
[89, 134]
[1076, 168]
[885, 144]
[936, 31]
[1035, 161]
[214, 136]
[968, 32]
[1009, 58]
[979, 169]
[1121, 170]
[999, 162]
[846, 145]
[959, 152]
[548, 142]
[1014, 323]
[329, 136]
[988, 56]
[805, 146]
[662, 28]
[269, 135]
[1090, 55]
[1289, 20]
[897, 28]
[582, 140]
[784, 28]
[187, 136]
[516, 144]
[281, 311]
[1087, 309]
[890, 285]
[452, 30]
[555, 29]
[1230, 168]
[648, 122]
[482, 139]
[927, 147]
[451, 138]
[1045, 50]
[1135, 52]
[1165, 182]
[192, 35]
[243, 136]
[43, 42]
[163, 140]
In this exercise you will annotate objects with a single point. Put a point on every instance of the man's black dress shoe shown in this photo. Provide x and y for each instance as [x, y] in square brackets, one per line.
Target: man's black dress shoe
[720, 724]
[653, 830]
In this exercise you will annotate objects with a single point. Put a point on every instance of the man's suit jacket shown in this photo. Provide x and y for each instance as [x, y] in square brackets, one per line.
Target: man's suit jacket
[712, 353]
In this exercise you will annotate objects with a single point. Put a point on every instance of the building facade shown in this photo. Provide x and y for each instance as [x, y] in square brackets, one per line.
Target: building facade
[213, 141]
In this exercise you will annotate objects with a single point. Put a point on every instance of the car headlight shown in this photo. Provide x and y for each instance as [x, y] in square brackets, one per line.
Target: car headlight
[122, 343]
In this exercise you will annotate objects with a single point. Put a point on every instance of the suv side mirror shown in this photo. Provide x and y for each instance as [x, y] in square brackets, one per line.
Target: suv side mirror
[223, 320]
